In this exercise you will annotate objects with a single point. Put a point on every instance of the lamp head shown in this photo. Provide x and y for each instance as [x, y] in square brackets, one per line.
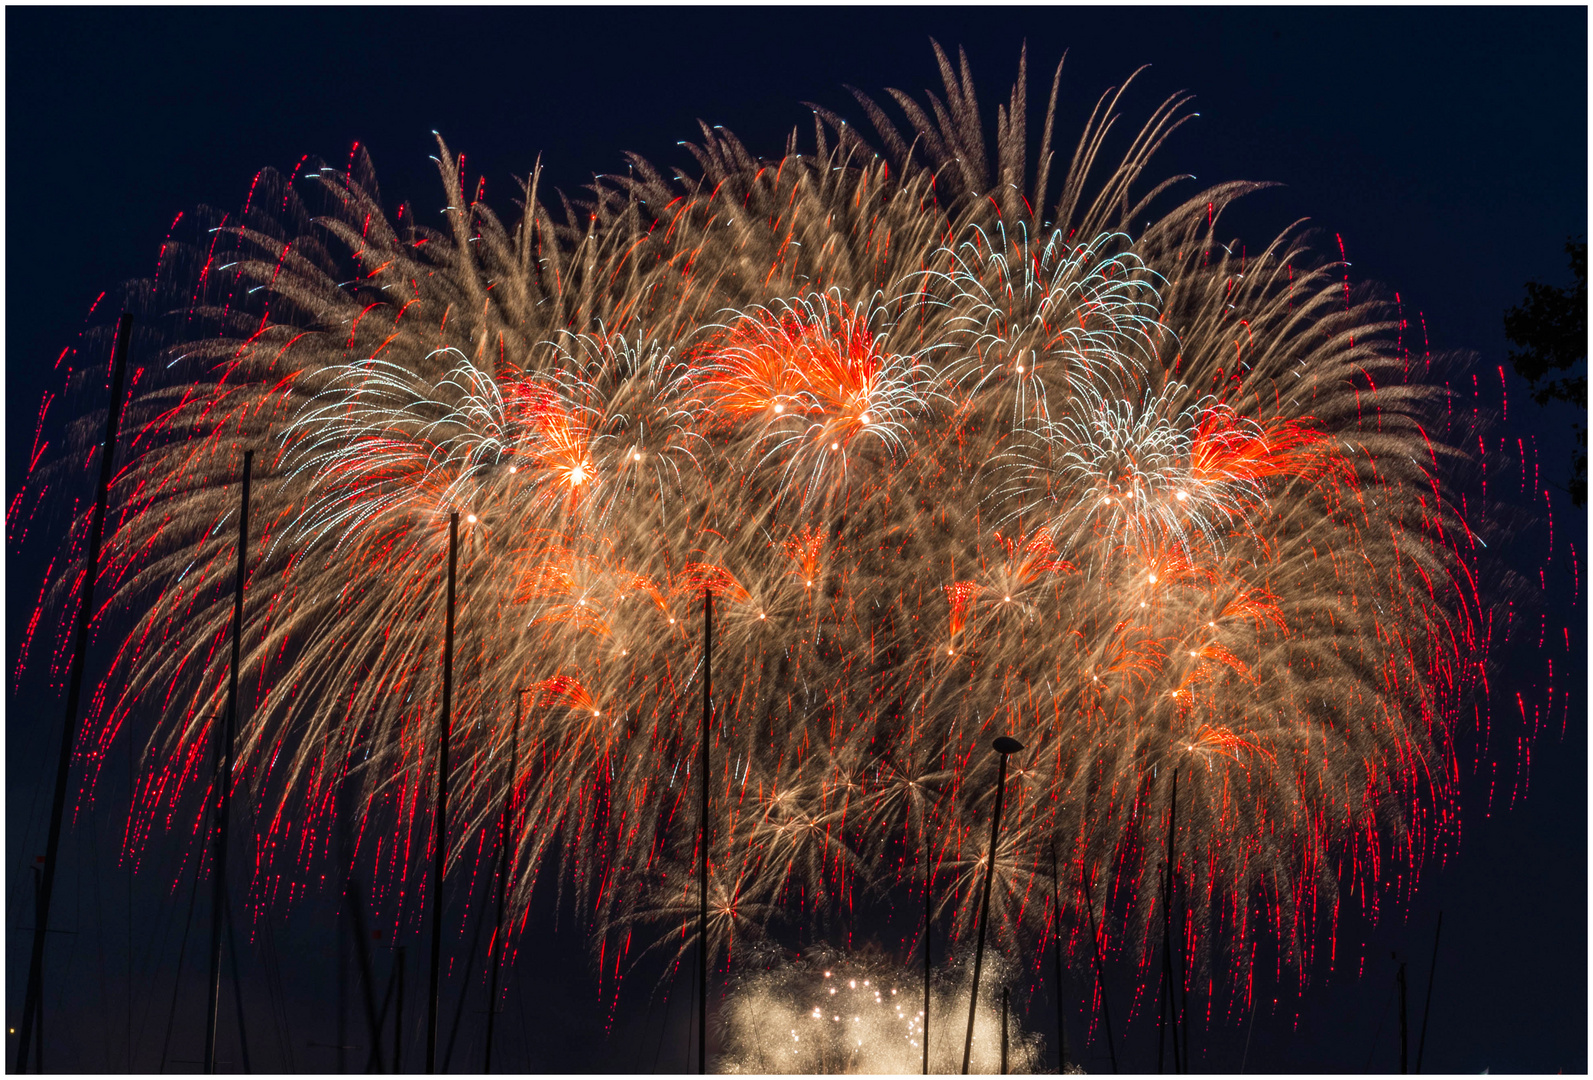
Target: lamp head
[1007, 745]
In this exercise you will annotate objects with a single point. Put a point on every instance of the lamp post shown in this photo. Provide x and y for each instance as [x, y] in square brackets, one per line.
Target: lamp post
[1006, 747]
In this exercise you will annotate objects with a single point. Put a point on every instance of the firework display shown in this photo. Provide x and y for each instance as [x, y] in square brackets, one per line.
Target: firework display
[962, 442]
[831, 1013]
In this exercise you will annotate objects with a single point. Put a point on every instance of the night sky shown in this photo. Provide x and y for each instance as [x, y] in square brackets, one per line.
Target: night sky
[1447, 148]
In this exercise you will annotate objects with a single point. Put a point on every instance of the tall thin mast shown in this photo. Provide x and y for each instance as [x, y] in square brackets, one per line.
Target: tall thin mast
[1004, 746]
[702, 879]
[401, 959]
[34, 996]
[440, 828]
[1404, 1027]
[1056, 935]
[1006, 994]
[503, 874]
[1169, 1013]
[928, 873]
[223, 781]
[1100, 975]
[1427, 1009]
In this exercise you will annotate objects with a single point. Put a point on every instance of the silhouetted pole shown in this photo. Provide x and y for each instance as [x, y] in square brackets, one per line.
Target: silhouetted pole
[927, 873]
[341, 924]
[1161, 1021]
[1004, 746]
[1169, 1012]
[440, 828]
[1100, 975]
[38, 1014]
[1056, 933]
[1005, 992]
[398, 1013]
[1181, 983]
[362, 954]
[34, 995]
[237, 990]
[702, 879]
[224, 740]
[1427, 1008]
[503, 873]
[1404, 1057]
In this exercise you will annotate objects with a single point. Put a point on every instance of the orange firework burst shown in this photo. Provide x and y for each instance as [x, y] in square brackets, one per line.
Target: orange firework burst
[959, 447]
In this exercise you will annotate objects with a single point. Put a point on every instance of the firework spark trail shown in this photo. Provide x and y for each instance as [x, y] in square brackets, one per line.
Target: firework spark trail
[959, 454]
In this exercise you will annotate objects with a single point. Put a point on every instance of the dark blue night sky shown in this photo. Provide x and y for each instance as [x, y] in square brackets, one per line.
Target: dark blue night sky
[1447, 148]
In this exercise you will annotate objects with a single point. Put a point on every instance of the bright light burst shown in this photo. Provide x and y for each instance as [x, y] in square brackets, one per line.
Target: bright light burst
[829, 1013]
[958, 454]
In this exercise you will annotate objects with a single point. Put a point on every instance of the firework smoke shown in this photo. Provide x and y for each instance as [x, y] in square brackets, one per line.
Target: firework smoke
[829, 1013]
[963, 446]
